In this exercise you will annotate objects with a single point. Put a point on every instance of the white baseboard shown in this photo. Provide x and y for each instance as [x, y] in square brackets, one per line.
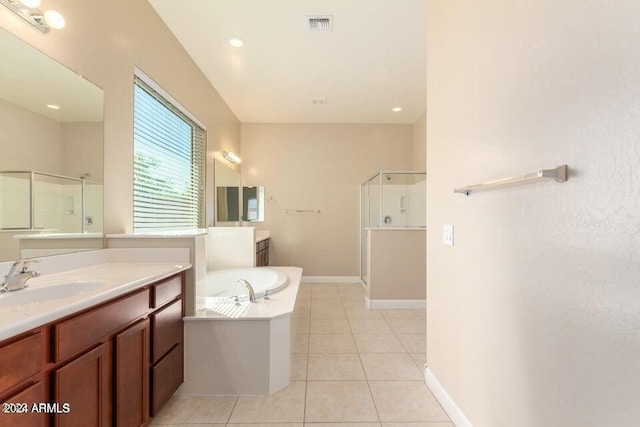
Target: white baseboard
[455, 413]
[395, 304]
[330, 279]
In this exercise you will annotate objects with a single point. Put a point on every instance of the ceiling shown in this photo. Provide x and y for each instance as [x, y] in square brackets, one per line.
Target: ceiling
[374, 60]
[32, 80]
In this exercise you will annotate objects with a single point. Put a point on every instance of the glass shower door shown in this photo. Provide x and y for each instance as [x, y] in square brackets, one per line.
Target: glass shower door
[364, 223]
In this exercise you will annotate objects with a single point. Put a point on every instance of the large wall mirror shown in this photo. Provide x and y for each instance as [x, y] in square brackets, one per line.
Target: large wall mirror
[233, 202]
[51, 155]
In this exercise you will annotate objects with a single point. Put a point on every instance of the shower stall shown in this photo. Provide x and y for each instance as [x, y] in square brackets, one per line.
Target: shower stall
[32, 200]
[392, 219]
[35, 206]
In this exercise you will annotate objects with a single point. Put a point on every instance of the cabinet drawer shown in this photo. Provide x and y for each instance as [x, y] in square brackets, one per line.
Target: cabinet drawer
[166, 291]
[20, 360]
[166, 378]
[33, 394]
[80, 332]
[167, 329]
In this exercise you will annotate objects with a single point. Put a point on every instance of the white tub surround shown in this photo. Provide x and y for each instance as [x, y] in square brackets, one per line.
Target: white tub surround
[73, 282]
[396, 268]
[194, 240]
[245, 355]
[222, 285]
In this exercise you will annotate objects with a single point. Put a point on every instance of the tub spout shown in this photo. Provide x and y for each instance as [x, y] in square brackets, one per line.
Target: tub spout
[252, 294]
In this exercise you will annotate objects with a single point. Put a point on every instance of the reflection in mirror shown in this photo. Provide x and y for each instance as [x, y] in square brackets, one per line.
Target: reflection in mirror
[224, 178]
[253, 204]
[51, 163]
[228, 201]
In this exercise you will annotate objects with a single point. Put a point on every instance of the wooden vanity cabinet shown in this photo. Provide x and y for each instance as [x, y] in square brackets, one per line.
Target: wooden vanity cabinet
[114, 364]
[167, 334]
[262, 253]
[86, 385]
[132, 375]
[34, 393]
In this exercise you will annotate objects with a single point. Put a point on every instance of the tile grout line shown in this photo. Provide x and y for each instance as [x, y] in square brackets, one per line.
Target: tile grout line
[366, 377]
[232, 409]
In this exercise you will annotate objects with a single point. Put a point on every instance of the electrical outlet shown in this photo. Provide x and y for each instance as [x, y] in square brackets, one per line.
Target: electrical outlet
[447, 235]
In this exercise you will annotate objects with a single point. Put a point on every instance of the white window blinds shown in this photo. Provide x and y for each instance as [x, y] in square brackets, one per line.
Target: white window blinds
[169, 164]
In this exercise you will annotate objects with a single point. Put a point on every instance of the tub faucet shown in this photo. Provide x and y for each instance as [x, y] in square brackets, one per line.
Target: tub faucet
[17, 277]
[252, 294]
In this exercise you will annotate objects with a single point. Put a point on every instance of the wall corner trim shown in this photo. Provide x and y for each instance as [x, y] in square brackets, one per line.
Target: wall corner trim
[330, 279]
[395, 304]
[450, 407]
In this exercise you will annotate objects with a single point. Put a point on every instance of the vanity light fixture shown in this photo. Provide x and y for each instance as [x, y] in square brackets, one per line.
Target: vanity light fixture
[231, 157]
[396, 109]
[31, 4]
[236, 41]
[54, 19]
[53, 106]
[28, 10]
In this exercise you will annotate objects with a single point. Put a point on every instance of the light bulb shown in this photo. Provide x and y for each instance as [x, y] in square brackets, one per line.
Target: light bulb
[396, 109]
[236, 41]
[54, 19]
[31, 3]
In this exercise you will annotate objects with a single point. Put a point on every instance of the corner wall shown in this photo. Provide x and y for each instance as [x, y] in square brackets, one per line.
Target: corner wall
[420, 144]
[534, 314]
[319, 166]
[103, 41]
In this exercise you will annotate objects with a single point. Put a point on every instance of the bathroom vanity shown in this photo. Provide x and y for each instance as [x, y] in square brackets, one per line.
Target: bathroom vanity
[262, 251]
[116, 360]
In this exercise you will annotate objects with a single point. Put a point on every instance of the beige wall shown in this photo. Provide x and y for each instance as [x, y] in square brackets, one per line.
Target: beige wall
[103, 41]
[534, 314]
[420, 144]
[82, 150]
[396, 264]
[319, 166]
[28, 141]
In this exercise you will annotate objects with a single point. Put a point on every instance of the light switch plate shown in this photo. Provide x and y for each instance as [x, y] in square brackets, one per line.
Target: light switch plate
[447, 234]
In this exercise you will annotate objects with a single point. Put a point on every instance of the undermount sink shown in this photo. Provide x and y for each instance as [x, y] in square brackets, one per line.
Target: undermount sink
[43, 293]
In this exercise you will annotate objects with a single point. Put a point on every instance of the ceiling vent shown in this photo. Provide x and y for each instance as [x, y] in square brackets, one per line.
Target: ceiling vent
[318, 101]
[320, 23]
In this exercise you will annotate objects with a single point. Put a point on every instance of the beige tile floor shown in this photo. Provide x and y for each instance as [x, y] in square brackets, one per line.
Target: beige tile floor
[350, 367]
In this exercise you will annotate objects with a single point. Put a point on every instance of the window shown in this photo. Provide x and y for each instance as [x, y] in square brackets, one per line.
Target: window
[168, 166]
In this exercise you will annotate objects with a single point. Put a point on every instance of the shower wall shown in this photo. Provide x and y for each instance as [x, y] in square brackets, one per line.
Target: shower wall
[392, 201]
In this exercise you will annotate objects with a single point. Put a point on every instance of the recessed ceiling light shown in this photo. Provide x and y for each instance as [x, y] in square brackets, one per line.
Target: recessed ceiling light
[396, 109]
[236, 41]
[53, 106]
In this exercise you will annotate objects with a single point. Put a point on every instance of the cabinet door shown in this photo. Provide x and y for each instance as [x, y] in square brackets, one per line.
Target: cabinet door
[85, 384]
[132, 375]
[24, 416]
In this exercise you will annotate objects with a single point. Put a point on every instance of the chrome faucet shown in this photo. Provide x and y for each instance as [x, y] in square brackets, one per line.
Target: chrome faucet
[18, 275]
[252, 294]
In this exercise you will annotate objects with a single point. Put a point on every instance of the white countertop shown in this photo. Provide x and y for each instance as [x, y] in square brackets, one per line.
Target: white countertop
[278, 304]
[171, 234]
[262, 235]
[52, 236]
[103, 281]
